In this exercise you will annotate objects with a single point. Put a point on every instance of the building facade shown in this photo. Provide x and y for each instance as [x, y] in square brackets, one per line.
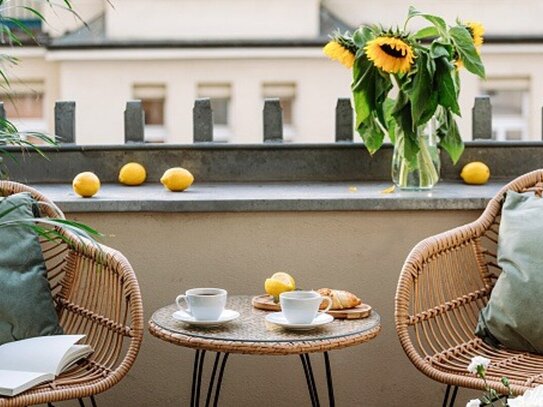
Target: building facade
[239, 52]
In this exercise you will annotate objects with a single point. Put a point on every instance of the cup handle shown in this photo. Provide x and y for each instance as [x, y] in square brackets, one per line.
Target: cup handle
[324, 311]
[178, 300]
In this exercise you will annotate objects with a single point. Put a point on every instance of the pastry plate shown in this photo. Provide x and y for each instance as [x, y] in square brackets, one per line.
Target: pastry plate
[265, 302]
[278, 318]
[226, 316]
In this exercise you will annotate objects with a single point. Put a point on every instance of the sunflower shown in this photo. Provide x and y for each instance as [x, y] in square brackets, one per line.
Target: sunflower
[391, 54]
[339, 52]
[476, 30]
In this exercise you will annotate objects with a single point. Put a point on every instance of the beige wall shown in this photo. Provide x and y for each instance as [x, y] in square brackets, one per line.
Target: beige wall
[213, 19]
[361, 251]
[499, 16]
[101, 88]
[101, 83]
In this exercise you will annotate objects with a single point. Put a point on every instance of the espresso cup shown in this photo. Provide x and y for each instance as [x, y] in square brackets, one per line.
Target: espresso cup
[301, 307]
[204, 304]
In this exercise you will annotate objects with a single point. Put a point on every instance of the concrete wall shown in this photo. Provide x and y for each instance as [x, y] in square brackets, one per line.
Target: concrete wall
[213, 19]
[361, 251]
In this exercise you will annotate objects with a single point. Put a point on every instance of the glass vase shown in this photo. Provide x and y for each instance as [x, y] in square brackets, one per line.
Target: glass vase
[423, 172]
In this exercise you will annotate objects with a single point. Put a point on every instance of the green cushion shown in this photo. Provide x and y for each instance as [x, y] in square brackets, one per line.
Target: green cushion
[26, 303]
[513, 316]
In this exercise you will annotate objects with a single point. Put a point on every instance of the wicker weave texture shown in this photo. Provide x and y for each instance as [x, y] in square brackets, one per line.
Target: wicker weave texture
[444, 283]
[96, 293]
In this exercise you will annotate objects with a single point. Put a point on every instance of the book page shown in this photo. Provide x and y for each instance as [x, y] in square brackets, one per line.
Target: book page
[40, 354]
[14, 382]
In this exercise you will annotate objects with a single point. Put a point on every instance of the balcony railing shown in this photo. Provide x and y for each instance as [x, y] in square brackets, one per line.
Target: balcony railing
[134, 121]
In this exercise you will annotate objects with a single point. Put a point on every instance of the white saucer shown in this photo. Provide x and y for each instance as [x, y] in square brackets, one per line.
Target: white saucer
[279, 319]
[226, 316]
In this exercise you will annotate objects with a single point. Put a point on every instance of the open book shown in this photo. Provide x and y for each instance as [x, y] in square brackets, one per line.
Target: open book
[29, 362]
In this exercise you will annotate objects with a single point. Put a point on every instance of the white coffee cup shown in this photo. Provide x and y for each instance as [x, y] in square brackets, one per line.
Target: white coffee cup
[204, 304]
[301, 307]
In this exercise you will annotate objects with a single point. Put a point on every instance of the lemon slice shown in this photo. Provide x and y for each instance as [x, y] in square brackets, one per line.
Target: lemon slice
[279, 283]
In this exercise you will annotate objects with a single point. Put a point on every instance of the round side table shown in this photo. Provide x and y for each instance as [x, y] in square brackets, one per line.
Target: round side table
[251, 334]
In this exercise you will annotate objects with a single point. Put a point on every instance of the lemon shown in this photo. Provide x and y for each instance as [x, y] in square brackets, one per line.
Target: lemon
[475, 173]
[86, 184]
[279, 283]
[132, 174]
[177, 179]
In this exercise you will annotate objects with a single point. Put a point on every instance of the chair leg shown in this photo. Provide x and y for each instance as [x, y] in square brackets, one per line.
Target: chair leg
[449, 401]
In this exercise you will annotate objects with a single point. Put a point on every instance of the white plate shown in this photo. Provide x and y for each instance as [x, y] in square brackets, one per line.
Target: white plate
[226, 316]
[279, 319]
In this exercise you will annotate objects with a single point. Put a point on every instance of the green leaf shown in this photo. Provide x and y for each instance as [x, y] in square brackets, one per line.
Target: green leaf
[421, 94]
[372, 134]
[361, 36]
[464, 45]
[449, 136]
[426, 32]
[438, 50]
[438, 22]
[369, 89]
[445, 87]
[390, 122]
[402, 115]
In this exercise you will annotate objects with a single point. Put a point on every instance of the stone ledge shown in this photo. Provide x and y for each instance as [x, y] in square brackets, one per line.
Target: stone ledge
[271, 197]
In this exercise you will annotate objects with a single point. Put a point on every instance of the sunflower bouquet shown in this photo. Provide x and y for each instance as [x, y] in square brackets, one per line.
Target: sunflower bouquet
[421, 70]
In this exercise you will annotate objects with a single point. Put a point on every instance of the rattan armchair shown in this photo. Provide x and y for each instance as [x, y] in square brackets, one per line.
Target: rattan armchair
[444, 283]
[96, 293]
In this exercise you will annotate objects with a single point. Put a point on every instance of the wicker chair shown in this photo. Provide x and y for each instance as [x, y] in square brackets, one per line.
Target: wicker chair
[96, 293]
[444, 283]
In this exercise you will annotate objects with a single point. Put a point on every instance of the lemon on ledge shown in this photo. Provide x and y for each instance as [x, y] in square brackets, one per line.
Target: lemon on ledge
[177, 179]
[475, 173]
[279, 283]
[86, 184]
[132, 174]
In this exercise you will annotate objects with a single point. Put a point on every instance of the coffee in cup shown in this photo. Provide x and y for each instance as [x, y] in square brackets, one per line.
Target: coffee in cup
[301, 307]
[204, 304]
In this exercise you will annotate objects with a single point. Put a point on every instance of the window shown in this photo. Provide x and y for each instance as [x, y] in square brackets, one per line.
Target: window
[23, 103]
[220, 95]
[153, 100]
[510, 107]
[286, 92]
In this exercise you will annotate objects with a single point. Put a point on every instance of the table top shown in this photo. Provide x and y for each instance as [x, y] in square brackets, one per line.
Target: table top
[250, 333]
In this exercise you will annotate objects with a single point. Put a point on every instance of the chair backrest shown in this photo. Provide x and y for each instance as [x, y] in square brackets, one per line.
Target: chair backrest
[448, 278]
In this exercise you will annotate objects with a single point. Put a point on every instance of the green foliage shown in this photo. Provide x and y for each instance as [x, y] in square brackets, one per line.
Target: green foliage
[429, 89]
[14, 32]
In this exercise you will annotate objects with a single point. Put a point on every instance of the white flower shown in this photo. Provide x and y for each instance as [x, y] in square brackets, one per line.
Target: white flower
[478, 361]
[532, 398]
[474, 403]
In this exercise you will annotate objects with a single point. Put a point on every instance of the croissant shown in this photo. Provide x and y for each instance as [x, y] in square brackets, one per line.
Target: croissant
[340, 299]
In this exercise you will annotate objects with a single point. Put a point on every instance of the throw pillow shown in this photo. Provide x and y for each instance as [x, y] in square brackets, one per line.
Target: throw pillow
[26, 303]
[512, 316]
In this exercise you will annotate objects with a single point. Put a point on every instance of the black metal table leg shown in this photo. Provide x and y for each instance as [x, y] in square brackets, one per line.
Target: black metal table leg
[449, 402]
[197, 374]
[310, 379]
[197, 377]
[329, 382]
[219, 382]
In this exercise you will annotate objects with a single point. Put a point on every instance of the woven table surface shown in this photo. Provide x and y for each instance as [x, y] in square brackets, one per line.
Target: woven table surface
[250, 333]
